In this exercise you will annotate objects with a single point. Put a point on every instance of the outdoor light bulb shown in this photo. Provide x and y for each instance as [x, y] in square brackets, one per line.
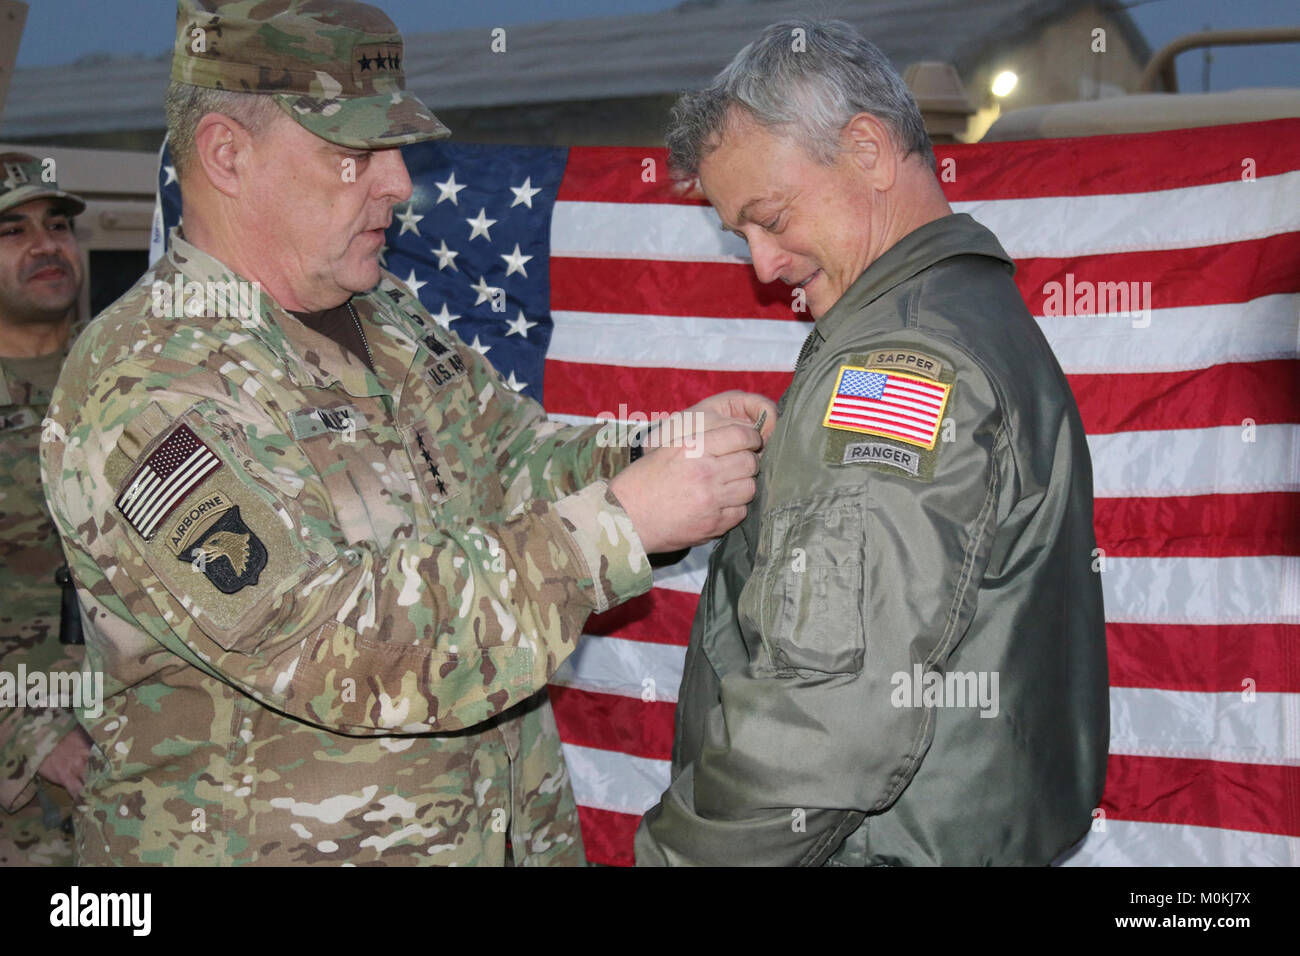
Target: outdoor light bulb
[1004, 83]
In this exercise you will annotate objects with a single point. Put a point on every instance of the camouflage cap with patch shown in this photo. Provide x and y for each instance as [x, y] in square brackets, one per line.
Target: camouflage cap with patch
[335, 66]
[24, 178]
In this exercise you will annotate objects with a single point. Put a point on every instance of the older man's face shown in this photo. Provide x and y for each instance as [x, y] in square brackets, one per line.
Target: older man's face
[40, 265]
[807, 224]
[321, 211]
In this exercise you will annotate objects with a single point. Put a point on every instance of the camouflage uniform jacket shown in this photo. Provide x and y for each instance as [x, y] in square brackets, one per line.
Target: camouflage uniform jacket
[329, 647]
[29, 633]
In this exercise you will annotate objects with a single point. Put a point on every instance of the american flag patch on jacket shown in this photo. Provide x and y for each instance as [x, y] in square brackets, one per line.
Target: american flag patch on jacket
[876, 402]
[168, 475]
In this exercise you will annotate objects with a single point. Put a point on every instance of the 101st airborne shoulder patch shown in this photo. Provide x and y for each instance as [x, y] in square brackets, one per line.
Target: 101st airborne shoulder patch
[211, 536]
[897, 397]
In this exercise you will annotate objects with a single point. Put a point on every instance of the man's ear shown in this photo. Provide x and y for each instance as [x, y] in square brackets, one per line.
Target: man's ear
[869, 145]
[221, 148]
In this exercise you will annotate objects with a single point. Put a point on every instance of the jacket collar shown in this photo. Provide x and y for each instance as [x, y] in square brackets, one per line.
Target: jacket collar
[954, 235]
[6, 395]
[308, 357]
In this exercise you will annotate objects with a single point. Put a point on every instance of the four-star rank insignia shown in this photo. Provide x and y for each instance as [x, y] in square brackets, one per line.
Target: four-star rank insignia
[877, 401]
[212, 537]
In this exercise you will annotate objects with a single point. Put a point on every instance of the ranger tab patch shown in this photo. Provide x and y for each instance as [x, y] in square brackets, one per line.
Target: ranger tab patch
[876, 401]
[173, 470]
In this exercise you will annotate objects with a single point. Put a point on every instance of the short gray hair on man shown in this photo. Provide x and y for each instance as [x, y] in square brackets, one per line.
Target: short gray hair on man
[185, 105]
[806, 85]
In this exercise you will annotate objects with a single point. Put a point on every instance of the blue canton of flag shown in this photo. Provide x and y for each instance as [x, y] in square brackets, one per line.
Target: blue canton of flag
[864, 384]
[473, 244]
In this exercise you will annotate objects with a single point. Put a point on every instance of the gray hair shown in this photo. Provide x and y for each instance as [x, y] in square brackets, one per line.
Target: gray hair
[185, 105]
[806, 85]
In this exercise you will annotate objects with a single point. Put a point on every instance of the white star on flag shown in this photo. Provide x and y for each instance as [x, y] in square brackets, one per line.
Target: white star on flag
[414, 284]
[524, 194]
[514, 383]
[479, 226]
[515, 262]
[445, 317]
[445, 256]
[484, 290]
[519, 326]
[479, 347]
[171, 175]
[448, 190]
[408, 220]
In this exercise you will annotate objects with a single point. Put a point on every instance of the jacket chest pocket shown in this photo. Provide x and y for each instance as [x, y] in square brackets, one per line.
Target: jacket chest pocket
[807, 595]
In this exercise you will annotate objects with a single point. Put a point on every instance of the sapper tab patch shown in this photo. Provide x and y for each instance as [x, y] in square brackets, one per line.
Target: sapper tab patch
[876, 401]
[173, 470]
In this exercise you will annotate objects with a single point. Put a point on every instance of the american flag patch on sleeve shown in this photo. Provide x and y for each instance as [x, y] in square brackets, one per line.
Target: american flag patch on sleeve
[877, 402]
[168, 475]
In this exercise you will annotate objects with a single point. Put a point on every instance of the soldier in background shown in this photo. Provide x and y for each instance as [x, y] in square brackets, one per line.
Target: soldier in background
[42, 749]
[327, 557]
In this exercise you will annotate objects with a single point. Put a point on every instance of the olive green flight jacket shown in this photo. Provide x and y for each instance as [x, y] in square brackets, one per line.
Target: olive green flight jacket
[899, 656]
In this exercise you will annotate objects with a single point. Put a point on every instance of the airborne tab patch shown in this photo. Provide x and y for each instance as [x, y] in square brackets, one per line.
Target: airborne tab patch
[875, 401]
[170, 473]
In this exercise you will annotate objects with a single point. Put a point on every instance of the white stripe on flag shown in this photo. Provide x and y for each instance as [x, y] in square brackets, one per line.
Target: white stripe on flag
[1196, 461]
[1061, 227]
[599, 230]
[608, 780]
[687, 574]
[1258, 589]
[1053, 226]
[141, 492]
[1136, 843]
[674, 341]
[614, 665]
[1149, 722]
[195, 474]
[143, 507]
[1177, 339]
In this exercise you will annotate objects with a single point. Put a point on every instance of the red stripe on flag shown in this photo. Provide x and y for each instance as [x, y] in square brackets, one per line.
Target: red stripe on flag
[1203, 793]
[1206, 658]
[660, 616]
[608, 835]
[1205, 526]
[1267, 393]
[1096, 165]
[652, 287]
[1128, 163]
[627, 725]
[1202, 275]
[620, 174]
[577, 388]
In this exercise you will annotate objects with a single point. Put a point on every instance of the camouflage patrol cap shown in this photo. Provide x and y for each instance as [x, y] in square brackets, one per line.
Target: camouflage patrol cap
[335, 66]
[24, 178]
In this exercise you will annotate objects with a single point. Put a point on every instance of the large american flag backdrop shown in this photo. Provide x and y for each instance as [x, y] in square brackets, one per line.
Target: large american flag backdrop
[619, 290]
